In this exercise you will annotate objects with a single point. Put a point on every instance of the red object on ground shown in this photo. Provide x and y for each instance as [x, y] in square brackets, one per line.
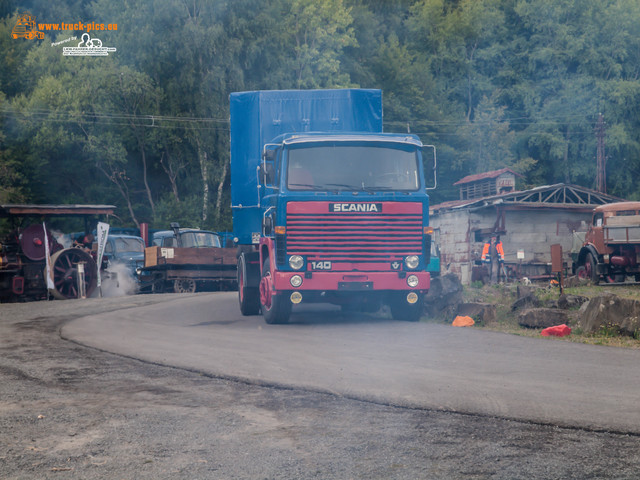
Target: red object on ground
[557, 331]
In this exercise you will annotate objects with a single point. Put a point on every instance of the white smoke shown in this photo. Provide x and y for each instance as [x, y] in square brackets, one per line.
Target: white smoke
[118, 281]
[62, 238]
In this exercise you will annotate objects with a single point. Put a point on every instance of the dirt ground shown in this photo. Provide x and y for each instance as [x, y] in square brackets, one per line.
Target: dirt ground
[71, 412]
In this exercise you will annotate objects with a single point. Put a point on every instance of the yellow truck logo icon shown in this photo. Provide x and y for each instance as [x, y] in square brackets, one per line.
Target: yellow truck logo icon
[25, 27]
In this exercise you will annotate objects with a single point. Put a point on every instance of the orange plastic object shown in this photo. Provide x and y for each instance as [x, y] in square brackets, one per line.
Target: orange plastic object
[463, 321]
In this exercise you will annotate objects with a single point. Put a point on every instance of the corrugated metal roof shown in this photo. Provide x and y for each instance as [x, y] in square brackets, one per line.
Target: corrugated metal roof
[549, 196]
[485, 175]
[36, 210]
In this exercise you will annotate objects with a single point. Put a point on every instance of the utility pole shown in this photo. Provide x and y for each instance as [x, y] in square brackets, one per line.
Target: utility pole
[601, 177]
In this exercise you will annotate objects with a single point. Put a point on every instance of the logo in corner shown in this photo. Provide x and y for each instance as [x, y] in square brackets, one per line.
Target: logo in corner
[89, 47]
[25, 27]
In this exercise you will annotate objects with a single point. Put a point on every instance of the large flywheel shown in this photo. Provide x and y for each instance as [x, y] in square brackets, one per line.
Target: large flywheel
[65, 273]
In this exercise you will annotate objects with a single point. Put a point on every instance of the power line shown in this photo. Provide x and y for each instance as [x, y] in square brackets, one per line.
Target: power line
[160, 121]
[109, 115]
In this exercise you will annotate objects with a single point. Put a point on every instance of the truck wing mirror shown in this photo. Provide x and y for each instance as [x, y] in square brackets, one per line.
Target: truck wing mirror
[429, 159]
[270, 155]
[267, 173]
[267, 226]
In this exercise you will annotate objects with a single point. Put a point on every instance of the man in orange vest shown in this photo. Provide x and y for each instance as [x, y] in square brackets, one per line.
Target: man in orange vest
[493, 256]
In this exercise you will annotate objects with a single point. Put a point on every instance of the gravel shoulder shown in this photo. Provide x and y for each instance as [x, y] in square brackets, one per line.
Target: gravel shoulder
[72, 412]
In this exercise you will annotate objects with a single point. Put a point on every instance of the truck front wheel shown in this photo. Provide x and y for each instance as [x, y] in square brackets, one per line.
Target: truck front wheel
[248, 297]
[591, 268]
[276, 307]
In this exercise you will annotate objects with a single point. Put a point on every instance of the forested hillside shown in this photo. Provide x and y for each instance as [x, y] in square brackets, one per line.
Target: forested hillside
[491, 83]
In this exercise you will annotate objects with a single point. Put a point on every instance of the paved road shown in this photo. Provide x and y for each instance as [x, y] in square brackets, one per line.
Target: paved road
[421, 365]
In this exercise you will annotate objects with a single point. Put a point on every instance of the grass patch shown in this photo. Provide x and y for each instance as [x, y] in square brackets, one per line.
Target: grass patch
[504, 295]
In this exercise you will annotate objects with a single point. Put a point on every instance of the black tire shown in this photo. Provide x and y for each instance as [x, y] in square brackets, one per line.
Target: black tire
[401, 310]
[592, 271]
[581, 273]
[248, 297]
[279, 310]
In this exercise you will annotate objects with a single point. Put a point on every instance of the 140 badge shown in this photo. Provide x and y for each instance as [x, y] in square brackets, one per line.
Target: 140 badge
[325, 265]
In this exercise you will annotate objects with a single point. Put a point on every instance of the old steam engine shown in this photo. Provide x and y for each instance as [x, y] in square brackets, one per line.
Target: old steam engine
[23, 258]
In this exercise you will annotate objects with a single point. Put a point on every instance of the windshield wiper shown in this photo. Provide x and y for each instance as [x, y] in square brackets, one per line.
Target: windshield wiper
[306, 185]
[355, 188]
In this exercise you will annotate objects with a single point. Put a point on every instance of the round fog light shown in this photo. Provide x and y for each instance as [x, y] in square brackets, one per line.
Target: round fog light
[412, 297]
[296, 297]
[295, 281]
[411, 261]
[296, 262]
[412, 281]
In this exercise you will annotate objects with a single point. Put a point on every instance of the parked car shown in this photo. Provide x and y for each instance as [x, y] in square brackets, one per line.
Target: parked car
[127, 250]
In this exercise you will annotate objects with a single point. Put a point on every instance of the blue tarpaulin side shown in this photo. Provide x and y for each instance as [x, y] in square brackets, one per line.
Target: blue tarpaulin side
[260, 116]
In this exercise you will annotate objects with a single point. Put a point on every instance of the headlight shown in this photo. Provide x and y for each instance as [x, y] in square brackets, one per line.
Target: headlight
[296, 262]
[412, 281]
[295, 281]
[411, 261]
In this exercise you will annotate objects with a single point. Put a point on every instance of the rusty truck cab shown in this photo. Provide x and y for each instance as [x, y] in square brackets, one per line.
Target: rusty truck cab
[612, 244]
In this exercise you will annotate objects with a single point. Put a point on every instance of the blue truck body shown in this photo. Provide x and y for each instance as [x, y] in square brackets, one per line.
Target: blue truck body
[326, 207]
[259, 117]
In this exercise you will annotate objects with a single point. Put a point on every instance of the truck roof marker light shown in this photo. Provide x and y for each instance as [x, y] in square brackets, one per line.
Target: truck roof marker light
[428, 230]
[280, 230]
[296, 297]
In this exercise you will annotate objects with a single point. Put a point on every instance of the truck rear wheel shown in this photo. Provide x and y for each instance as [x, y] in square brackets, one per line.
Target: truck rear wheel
[248, 297]
[276, 307]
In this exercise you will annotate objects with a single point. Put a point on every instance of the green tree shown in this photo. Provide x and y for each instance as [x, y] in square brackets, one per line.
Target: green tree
[315, 33]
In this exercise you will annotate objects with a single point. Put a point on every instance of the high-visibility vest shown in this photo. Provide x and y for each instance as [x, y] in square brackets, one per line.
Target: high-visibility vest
[486, 255]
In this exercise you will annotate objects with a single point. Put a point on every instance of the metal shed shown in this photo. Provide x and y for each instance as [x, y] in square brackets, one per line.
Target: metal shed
[528, 222]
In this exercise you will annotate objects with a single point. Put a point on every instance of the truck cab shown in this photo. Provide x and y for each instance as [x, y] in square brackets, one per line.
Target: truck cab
[611, 250]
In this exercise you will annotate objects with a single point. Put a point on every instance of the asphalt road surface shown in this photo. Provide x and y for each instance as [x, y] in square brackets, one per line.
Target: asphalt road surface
[365, 357]
[181, 386]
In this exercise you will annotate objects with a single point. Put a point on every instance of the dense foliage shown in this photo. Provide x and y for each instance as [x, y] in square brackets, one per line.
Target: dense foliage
[491, 83]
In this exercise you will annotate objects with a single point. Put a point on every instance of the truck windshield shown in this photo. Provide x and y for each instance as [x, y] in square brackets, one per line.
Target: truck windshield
[199, 239]
[129, 245]
[352, 167]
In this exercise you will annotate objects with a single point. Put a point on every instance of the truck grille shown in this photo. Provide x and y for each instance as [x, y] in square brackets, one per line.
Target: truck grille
[364, 236]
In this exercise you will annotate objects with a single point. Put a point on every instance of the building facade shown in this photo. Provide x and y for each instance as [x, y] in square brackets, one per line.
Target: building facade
[528, 223]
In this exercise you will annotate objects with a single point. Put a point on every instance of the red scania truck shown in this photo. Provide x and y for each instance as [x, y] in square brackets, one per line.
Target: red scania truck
[326, 207]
